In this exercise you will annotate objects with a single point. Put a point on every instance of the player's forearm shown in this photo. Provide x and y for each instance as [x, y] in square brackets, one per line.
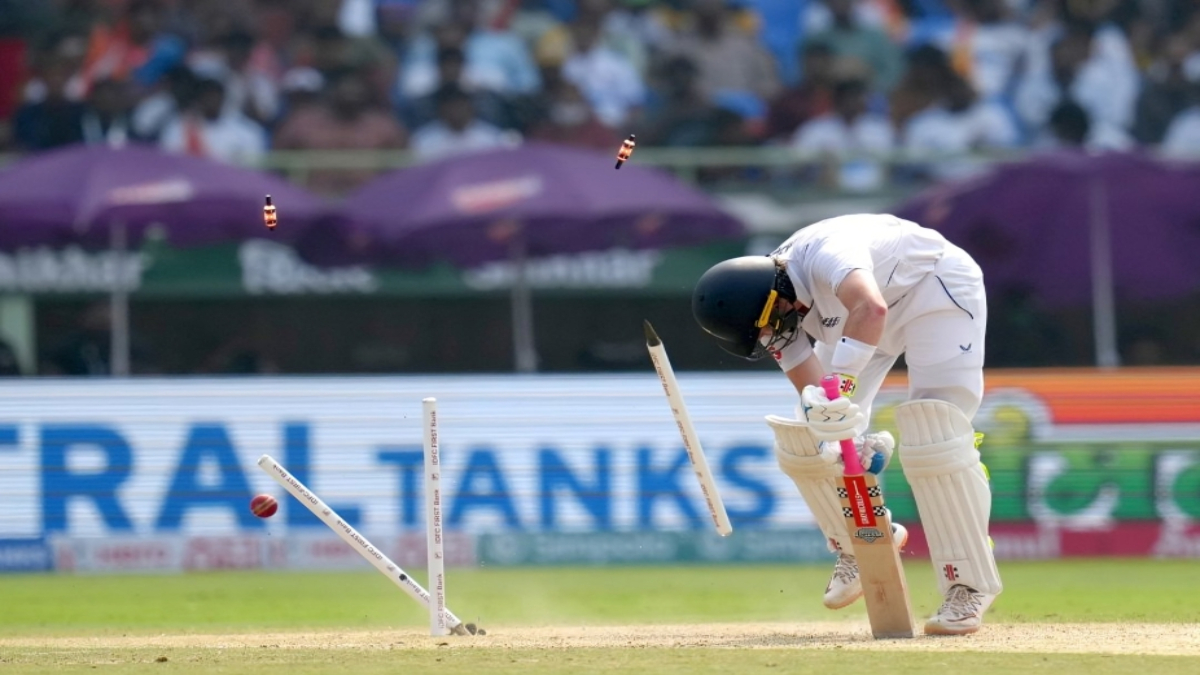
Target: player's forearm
[865, 322]
[852, 353]
[866, 309]
[808, 372]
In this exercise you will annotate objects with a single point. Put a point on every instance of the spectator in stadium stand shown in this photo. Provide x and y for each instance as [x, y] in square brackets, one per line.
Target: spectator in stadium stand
[850, 135]
[457, 129]
[248, 88]
[107, 118]
[350, 116]
[328, 49]
[729, 61]
[639, 22]
[1069, 127]
[300, 88]
[497, 59]
[621, 30]
[64, 48]
[419, 110]
[1166, 91]
[606, 77]
[1182, 139]
[173, 94]
[810, 97]
[1111, 50]
[847, 36]
[489, 106]
[1089, 61]
[208, 128]
[395, 23]
[927, 69]
[418, 76]
[679, 115]
[957, 124]
[986, 44]
[202, 23]
[395, 20]
[134, 47]
[570, 121]
[53, 121]
[355, 17]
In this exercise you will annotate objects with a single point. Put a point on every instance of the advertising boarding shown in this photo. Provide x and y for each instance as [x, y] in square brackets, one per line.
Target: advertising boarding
[147, 474]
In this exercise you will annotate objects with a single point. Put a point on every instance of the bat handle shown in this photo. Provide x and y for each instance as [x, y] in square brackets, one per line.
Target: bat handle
[850, 459]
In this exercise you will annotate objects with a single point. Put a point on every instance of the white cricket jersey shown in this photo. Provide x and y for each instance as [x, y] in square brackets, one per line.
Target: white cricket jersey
[899, 253]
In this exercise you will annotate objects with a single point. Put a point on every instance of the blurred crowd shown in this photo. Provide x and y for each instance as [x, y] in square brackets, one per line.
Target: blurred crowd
[234, 79]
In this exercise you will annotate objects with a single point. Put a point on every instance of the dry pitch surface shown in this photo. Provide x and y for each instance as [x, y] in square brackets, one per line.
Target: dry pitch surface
[1053, 621]
[1081, 638]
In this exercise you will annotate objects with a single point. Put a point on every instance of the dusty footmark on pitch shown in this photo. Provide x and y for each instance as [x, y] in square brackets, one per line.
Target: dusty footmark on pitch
[1099, 638]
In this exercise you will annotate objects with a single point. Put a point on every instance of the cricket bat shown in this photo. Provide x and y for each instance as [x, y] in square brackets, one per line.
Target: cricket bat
[884, 588]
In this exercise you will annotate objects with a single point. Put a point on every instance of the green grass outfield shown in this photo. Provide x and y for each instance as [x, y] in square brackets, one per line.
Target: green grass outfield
[138, 624]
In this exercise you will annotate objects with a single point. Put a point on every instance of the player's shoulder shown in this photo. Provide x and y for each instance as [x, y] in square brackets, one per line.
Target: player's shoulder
[851, 219]
[851, 226]
[851, 230]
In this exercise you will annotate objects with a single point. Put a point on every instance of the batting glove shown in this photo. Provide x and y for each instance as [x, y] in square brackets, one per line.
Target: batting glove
[834, 420]
[875, 450]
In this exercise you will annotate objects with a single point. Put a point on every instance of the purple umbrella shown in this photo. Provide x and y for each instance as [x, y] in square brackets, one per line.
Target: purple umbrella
[1074, 228]
[546, 199]
[531, 200]
[76, 194]
[102, 197]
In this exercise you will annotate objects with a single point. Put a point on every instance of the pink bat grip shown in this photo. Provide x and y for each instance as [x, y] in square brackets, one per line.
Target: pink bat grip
[850, 459]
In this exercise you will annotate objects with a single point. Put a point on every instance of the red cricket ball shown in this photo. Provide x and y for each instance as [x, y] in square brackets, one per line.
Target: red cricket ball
[264, 506]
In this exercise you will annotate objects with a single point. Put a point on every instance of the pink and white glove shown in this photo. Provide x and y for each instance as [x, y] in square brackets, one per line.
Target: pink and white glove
[830, 420]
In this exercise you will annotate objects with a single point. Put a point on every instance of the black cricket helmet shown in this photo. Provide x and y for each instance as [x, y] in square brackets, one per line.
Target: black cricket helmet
[736, 299]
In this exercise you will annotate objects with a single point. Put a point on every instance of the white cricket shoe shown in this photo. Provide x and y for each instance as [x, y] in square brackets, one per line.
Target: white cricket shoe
[844, 586]
[961, 613]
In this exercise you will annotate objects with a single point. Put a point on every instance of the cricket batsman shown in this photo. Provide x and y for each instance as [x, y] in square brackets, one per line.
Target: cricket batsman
[867, 288]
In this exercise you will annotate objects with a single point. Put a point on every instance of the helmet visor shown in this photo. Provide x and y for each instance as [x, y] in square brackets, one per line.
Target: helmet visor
[775, 330]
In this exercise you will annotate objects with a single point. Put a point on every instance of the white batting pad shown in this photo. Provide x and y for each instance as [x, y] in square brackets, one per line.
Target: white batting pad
[816, 471]
[937, 450]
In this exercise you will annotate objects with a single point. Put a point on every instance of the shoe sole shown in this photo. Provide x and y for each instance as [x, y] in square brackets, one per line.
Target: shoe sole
[939, 629]
[846, 603]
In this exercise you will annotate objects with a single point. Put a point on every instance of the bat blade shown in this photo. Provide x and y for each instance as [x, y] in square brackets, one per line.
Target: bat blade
[885, 589]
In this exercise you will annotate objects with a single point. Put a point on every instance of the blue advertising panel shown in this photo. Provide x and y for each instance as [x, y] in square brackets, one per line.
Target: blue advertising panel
[521, 454]
[24, 555]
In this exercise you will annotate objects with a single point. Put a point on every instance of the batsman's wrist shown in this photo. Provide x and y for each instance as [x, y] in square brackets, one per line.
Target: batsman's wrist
[847, 384]
[850, 357]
